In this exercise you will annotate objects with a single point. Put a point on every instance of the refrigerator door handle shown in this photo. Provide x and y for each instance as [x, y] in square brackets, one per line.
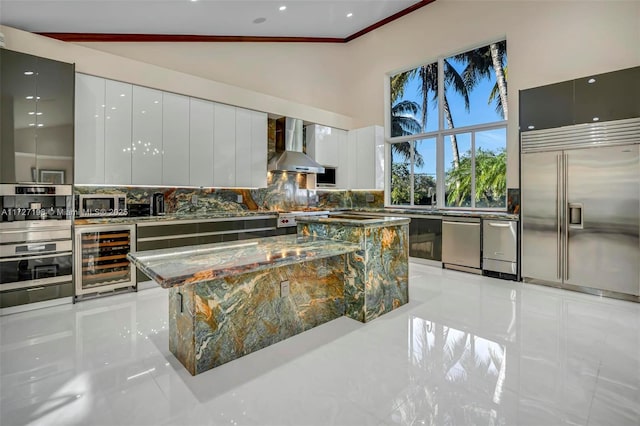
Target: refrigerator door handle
[566, 212]
[558, 215]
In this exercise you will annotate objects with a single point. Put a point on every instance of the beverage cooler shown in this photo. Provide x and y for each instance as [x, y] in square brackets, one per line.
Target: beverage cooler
[101, 259]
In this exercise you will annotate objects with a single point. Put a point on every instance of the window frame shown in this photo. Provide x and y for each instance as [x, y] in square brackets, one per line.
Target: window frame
[439, 136]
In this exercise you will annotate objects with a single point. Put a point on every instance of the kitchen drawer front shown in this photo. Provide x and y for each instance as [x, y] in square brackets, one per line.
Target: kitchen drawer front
[500, 266]
[35, 294]
[500, 240]
[167, 230]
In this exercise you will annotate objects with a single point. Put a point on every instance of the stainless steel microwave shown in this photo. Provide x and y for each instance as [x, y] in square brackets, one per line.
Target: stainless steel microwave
[101, 205]
[328, 178]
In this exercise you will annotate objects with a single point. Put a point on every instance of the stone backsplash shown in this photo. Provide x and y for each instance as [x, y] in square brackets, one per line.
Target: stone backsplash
[284, 192]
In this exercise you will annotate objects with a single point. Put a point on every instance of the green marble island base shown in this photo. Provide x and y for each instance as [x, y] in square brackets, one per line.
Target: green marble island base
[214, 322]
[377, 275]
[227, 300]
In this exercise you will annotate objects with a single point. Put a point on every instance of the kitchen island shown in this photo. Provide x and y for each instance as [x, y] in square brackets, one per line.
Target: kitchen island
[377, 279]
[227, 300]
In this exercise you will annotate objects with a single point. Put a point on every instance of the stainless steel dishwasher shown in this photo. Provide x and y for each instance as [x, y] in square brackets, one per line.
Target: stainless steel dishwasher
[461, 244]
[500, 247]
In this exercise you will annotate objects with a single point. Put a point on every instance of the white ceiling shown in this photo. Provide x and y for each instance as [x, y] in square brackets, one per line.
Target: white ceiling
[302, 18]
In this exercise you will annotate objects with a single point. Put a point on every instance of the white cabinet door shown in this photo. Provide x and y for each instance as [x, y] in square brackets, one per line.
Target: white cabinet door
[243, 172]
[224, 146]
[89, 129]
[379, 157]
[175, 139]
[201, 126]
[322, 144]
[146, 153]
[117, 133]
[352, 159]
[259, 146]
[343, 164]
[365, 161]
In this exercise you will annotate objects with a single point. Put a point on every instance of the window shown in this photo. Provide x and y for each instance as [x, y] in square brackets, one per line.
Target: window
[447, 122]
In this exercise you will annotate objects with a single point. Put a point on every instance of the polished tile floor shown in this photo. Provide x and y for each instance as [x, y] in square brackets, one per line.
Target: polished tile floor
[466, 350]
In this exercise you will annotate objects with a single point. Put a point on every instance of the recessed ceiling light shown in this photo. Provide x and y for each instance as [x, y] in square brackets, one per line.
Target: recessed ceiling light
[122, 95]
[282, 8]
[259, 20]
[32, 124]
[38, 113]
[591, 80]
[28, 73]
[156, 102]
[40, 125]
[29, 97]
[349, 15]
[531, 127]
[596, 118]
[32, 112]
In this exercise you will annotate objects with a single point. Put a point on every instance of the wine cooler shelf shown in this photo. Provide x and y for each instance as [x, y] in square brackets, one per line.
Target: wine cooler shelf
[101, 263]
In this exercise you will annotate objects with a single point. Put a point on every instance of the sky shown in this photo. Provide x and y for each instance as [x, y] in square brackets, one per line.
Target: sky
[479, 112]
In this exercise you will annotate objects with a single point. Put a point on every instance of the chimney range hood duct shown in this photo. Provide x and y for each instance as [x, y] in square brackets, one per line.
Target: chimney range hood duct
[292, 159]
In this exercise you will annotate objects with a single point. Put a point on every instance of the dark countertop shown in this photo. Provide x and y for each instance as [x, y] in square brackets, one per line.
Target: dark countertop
[487, 214]
[195, 217]
[188, 265]
[362, 220]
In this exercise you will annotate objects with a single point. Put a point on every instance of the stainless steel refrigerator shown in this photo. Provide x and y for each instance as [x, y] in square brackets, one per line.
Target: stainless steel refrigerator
[580, 192]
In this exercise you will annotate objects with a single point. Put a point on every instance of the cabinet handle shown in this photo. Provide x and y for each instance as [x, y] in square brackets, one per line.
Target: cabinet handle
[499, 225]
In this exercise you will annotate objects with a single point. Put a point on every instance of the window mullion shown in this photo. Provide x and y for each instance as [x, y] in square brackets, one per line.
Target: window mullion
[411, 180]
[473, 170]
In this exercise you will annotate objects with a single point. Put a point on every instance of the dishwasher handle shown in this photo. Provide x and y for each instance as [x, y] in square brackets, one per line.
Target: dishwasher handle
[499, 225]
[462, 223]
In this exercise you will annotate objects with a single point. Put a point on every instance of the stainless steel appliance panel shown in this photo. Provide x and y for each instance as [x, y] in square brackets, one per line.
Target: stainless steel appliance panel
[500, 266]
[541, 216]
[461, 242]
[500, 240]
[602, 211]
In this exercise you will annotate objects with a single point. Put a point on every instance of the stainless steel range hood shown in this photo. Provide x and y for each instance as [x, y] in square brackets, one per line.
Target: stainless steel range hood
[292, 159]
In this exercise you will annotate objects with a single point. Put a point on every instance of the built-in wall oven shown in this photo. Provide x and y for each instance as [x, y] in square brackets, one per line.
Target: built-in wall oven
[36, 260]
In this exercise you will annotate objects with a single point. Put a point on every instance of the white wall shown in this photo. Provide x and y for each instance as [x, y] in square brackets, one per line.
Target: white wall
[548, 41]
[96, 62]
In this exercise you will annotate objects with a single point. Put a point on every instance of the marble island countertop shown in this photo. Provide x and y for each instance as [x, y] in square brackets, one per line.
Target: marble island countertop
[193, 264]
[361, 220]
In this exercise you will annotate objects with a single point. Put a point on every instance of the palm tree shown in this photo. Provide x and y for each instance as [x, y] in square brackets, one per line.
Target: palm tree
[428, 78]
[403, 123]
[480, 63]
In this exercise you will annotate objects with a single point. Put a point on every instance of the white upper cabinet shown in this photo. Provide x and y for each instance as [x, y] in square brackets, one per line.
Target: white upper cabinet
[259, 144]
[201, 125]
[117, 133]
[175, 139]
[146, 152]
[89, 129]
[357, 155]
[243, 173]
[134, 135]
[369, 162]
[224, 146]
[251, 149]
[342, 165]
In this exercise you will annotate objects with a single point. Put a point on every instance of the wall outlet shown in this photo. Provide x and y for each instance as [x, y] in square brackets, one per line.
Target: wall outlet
[284, 288]
[194, 199]
[239, 199]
